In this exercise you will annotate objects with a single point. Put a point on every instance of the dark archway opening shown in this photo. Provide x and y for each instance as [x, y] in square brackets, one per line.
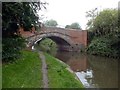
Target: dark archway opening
[53, 44]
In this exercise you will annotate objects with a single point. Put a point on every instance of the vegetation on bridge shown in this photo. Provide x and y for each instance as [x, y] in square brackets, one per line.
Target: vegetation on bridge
[104, 33]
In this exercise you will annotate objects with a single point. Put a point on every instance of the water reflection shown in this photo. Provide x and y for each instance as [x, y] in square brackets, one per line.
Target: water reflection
[75, 61]
[93, 71]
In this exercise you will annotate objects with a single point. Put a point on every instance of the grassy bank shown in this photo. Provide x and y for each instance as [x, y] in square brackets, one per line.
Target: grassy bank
[59, 76]
[0, 76]
[24, 73]
[0, 63]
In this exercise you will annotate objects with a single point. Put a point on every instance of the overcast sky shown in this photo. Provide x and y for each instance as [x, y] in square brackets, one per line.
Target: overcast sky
[66, 12]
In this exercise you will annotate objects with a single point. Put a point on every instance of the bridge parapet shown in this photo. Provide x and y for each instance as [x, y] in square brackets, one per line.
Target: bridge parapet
[76, 39]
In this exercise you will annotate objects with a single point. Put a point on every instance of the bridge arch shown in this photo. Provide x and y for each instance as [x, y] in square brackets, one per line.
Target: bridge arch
[67, 39]
[63, 41]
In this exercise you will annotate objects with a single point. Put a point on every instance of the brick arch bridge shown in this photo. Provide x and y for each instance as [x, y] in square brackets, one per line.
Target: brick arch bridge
[66, 39]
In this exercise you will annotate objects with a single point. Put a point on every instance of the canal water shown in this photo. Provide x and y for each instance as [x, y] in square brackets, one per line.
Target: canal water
[92, 71]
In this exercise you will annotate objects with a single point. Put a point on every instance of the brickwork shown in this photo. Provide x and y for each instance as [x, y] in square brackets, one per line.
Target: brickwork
[78, 36]
[26, 33]
[76, 39]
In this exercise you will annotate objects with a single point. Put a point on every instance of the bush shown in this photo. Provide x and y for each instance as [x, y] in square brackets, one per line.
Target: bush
[11, 48]
[102, 46]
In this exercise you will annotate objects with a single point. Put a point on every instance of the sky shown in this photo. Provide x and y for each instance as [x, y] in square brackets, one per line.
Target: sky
[66, 12]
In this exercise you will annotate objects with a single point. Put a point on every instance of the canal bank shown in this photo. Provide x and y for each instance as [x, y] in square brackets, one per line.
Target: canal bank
[23, 73]
[27, 73]
[93, 71]
[60, 75]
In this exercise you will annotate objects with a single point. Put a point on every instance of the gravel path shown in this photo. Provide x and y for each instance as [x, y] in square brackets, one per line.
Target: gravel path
[44, 70]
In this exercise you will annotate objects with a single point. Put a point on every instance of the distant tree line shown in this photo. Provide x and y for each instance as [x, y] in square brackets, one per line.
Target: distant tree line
[74, 26]
[53, 23]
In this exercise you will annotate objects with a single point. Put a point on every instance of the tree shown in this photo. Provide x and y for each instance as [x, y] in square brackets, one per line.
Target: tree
[51, 23]
[92, 14]
[103, 22]
[106, 22]
[73, 26]
[67, 26]
[104, 33]
[14, 15]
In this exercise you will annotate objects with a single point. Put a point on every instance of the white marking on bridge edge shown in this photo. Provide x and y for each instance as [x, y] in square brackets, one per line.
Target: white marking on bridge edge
[38, 40]
[33, 48]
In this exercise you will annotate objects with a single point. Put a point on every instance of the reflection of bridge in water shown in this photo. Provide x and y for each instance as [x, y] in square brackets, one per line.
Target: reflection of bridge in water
[66, 39]
[76, 61]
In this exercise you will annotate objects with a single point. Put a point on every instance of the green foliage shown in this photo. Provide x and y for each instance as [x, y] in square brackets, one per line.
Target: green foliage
[51, 23]
[67, 26]
[0, 46]
[92, 14]
[14, 15]
[11, 48]
[47, 45]
[73, 26]
[90, 36]
[104, 46]
[104, 22]
[22, 13]
[104, 27]
[23, 73]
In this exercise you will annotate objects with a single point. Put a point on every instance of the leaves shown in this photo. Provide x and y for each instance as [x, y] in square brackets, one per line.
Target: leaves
[14, 15]
[104, 22]
[102, 46]
[11, 48]
[74, 25]
[51, 23]
[24, 13]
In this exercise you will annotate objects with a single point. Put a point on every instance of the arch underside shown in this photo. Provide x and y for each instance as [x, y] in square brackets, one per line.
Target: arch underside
[59, 41]
[63, 42]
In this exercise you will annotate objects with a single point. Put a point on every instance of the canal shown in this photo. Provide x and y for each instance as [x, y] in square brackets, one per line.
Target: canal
[92, 71]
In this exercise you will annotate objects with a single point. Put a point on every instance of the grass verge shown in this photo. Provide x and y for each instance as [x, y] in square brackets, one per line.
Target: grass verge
[59, 76]
[24, 73]
[0, 76]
